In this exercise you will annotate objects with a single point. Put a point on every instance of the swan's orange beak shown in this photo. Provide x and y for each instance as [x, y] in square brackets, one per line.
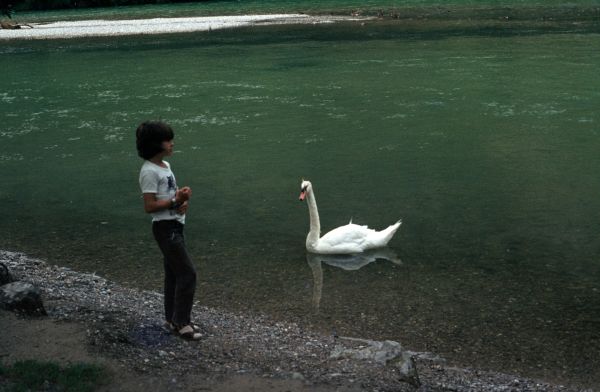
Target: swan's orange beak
[302, 195]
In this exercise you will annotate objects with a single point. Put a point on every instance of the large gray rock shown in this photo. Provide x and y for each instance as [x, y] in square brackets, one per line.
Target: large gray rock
[5, 276]
[386, 353]
[23, 297]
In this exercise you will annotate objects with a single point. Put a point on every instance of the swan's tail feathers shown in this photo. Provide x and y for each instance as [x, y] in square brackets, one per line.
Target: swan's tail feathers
[388, 233]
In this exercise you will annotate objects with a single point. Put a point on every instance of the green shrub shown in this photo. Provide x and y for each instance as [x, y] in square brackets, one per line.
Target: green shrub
[34, 375]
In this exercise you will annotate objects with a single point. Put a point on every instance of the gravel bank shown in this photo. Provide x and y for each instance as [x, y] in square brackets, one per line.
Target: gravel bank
[99, 28]
[125, 324]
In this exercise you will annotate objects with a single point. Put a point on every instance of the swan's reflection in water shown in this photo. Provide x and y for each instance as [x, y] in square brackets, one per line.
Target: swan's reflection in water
[348, 262]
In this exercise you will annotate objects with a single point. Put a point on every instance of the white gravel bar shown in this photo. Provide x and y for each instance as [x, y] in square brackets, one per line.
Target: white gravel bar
[99, 28]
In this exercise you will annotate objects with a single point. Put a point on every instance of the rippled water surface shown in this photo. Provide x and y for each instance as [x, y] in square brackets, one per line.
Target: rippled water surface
[487, 146]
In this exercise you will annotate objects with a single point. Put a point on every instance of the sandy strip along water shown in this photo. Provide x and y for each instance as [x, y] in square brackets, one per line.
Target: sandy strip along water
[98, 28]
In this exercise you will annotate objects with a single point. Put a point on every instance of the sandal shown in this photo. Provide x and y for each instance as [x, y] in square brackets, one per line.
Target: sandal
[187, 332]
[170, 327]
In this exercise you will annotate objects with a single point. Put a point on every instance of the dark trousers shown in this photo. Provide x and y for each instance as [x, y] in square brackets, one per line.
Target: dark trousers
[180, 273]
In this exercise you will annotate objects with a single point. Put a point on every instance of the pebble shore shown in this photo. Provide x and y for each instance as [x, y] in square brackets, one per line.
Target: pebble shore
[125, 324]
[103, 28]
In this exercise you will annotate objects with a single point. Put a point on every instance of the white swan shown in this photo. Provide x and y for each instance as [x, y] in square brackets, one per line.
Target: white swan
[344, 239]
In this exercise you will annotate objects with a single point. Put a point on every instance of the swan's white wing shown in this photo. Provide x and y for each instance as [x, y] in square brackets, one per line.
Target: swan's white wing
[350, 238]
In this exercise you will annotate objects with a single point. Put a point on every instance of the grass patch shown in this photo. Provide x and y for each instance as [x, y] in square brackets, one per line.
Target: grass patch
[31, 375]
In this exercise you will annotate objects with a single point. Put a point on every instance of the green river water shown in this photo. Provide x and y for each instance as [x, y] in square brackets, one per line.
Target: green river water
[485, 143]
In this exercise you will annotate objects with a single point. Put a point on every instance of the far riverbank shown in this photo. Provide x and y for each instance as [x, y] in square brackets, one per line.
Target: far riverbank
[105, 28]
[437, 20]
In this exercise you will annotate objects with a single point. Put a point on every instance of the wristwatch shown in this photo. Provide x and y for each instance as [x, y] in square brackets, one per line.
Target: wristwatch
[174, 204]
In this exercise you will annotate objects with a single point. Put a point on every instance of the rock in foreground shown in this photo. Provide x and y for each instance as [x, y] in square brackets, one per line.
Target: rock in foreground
[5, 275]
[23, 297]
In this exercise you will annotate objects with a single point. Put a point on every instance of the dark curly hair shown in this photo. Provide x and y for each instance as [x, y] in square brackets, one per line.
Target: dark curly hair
[149, 136]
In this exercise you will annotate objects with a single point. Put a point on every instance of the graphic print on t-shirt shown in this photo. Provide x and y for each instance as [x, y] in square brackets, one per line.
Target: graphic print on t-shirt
[171, 185]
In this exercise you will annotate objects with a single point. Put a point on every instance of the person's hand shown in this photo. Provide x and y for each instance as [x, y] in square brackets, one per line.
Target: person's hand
[183, 194]
[183, 208]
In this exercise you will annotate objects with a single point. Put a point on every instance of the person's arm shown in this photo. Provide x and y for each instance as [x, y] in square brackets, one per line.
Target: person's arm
[152, 204]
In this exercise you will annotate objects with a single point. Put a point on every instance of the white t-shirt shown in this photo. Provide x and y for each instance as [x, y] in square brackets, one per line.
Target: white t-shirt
[160, 181]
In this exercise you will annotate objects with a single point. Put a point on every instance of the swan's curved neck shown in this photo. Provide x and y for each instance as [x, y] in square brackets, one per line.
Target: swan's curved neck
[315, 224]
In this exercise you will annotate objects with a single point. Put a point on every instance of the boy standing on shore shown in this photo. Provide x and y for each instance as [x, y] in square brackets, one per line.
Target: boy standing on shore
[168, 204]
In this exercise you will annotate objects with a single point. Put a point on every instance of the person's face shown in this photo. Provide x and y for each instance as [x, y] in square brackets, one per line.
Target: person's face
[167, 146]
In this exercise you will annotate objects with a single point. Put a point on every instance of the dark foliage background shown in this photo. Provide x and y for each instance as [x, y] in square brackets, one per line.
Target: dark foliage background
[21, 5]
